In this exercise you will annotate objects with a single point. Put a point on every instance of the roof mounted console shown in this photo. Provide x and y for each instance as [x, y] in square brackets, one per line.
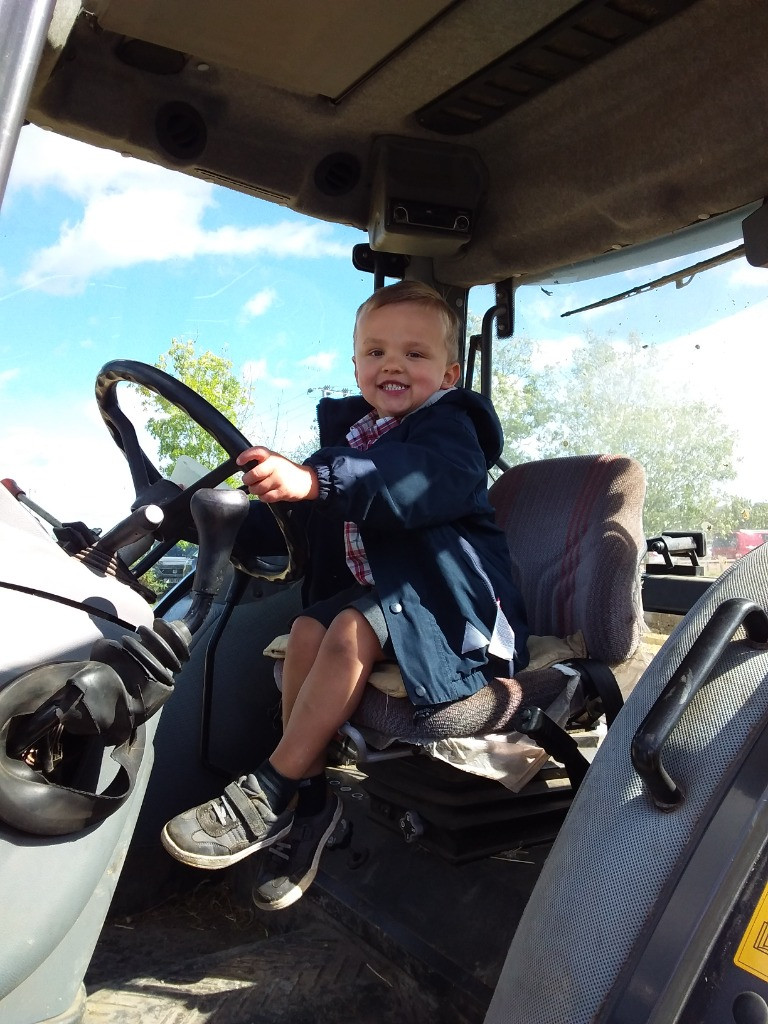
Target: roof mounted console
[424, 196]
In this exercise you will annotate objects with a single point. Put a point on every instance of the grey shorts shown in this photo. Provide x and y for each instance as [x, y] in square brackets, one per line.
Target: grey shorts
[364, 600]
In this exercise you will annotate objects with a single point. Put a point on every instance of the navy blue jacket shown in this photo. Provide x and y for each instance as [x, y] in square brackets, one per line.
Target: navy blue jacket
[419, 497]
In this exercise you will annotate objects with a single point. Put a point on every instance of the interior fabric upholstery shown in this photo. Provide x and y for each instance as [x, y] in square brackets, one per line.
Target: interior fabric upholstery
[568, 951]
[580, 571]
[575, 534]
[487, 711]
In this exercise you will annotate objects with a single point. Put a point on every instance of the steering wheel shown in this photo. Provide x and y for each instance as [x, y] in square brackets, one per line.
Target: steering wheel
[149, 484]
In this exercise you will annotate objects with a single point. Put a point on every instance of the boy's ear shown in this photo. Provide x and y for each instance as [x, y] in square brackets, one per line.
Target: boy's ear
[354, 363]
[452, 374]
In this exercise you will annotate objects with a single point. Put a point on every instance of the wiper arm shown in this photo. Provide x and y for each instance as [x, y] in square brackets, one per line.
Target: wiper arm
[680, 278]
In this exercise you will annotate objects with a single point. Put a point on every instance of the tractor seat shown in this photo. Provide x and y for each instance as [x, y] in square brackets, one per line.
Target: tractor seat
[575, 534]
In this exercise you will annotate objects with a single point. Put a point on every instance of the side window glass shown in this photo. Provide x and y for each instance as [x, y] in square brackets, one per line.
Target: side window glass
[672, 376]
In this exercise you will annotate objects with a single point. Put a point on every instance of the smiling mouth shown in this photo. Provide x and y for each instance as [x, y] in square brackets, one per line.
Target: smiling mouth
[393, 386]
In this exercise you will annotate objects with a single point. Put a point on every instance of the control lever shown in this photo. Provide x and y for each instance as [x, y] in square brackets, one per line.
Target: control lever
[160, 652]
[21, 496]
[104, 555]
[218, 516]
[143, 521]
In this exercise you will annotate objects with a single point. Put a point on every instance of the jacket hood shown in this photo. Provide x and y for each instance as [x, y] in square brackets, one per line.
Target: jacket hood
[483, 415]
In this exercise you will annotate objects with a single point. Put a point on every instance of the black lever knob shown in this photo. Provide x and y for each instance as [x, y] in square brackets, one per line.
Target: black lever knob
[218, 516]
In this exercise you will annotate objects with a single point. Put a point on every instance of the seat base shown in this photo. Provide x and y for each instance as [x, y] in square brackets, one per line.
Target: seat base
[463, 817]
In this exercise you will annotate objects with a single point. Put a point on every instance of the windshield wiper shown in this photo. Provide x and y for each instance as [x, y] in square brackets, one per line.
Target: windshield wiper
[680, 278]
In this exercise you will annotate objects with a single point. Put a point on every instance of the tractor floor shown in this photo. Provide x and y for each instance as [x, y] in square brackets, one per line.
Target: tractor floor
[201, 957]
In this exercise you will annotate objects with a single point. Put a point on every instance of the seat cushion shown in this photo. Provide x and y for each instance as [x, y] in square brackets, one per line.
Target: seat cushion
[489, 710]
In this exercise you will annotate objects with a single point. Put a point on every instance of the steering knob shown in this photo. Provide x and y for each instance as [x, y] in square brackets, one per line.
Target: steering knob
[218, 515]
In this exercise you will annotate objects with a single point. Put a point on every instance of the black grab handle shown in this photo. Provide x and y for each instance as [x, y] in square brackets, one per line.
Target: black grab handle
[694, 672]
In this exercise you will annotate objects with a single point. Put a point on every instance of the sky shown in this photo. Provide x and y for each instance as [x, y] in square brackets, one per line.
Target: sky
[105, 257]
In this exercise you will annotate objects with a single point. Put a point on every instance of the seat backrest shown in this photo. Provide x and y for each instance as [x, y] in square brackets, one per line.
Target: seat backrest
[574, 529]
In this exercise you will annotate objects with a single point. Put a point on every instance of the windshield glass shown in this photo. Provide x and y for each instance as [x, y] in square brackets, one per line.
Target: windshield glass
[102, 258]
[105, 257]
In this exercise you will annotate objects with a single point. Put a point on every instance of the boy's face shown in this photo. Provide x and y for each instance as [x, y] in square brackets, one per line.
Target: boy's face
[401, 358]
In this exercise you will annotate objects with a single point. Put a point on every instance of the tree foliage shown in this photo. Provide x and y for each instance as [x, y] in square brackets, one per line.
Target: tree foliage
[307, 447]
[212, 377]
[612, 397]
[736, 513]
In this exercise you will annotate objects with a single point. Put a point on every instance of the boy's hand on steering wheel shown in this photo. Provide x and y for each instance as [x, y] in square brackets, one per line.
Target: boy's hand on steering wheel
[272, 477]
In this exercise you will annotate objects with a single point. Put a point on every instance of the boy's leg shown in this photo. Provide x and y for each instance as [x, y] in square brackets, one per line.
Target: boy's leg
[246, 818]
[307, 635]
[330, 693]
[290, 866]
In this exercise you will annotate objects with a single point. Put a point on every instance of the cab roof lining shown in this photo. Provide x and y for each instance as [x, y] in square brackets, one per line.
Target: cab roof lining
[593, 29]
[653, 136]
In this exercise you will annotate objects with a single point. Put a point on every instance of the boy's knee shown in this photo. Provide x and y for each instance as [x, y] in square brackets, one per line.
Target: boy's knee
[347, 623]
[350, 632]
[306, 631]
[304, 624]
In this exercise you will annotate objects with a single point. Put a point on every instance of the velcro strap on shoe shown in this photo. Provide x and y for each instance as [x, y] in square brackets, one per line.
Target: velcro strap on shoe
[246, 809]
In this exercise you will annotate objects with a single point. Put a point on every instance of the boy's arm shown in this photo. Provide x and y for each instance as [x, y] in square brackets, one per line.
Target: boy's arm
[272, 477]
[437, 475]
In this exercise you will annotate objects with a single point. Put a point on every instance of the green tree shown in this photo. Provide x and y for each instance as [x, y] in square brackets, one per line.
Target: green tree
[155, 581]
[211, 376]
[307, 447]
[522, 396]
[520, 392]
[611, 398]
[736, 513]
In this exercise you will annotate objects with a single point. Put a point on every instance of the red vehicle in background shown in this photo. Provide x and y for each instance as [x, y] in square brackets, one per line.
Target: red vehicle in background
[739, 543]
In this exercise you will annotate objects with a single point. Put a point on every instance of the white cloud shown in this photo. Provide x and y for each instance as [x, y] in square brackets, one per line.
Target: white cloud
[6, 376]
[745, 274]
[260, 302]
[321, 361]
[254, 369]
[47, 160]
[555, 351]
[135, 212]
[66, 461]
[257, 370]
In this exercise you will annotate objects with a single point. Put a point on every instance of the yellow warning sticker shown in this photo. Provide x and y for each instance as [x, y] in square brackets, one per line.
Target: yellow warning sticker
[752, 954]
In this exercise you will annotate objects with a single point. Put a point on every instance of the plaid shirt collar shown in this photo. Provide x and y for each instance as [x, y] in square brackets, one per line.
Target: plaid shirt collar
[369, 428]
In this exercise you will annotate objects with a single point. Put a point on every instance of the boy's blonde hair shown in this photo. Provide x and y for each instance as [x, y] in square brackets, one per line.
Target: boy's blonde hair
[423, 295]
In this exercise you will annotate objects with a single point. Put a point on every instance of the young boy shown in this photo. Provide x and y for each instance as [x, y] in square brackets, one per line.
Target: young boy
[408, 561]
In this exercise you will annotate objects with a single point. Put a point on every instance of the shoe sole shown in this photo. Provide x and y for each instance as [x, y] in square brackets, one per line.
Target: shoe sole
[300, 887]
[214, 861]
